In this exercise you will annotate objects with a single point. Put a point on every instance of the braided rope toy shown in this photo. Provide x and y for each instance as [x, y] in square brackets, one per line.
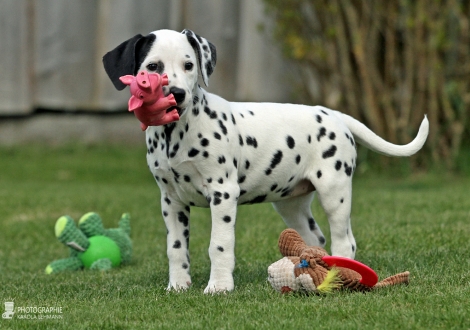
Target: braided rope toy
[311, 269]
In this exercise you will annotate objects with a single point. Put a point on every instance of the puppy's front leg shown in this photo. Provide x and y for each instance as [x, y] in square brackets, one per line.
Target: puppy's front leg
[176, 216]
[223, 201]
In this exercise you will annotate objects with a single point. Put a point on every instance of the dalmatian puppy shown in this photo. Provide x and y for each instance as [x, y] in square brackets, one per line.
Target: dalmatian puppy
[222, 154]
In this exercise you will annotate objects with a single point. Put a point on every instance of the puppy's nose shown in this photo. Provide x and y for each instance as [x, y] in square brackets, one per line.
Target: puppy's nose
[178, 93]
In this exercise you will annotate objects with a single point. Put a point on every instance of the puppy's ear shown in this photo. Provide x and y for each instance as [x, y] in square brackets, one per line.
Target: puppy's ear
[126, 58]
[205, 52]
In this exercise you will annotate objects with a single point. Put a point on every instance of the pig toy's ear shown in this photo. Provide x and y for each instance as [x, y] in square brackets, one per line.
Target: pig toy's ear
[134, 103]
[126, 58]
[127, 79]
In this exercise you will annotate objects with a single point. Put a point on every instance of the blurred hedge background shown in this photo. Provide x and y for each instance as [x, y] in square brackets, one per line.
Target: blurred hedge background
[387, 63]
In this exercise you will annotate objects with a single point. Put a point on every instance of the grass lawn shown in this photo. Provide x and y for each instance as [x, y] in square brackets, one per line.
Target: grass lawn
[419, 223]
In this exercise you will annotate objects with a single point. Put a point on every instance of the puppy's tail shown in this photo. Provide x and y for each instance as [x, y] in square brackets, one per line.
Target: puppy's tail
[369, 139]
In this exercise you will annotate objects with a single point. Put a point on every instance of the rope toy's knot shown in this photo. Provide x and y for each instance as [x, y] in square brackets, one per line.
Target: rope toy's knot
[303, 264]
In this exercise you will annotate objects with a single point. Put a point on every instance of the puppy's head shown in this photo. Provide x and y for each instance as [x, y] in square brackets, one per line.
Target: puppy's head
[182, 56]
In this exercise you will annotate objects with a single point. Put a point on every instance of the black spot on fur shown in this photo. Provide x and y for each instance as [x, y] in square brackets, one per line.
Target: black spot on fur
[348, 169]
[220, 180]
[212, 114]
[217, 136]
[222, 127]
[324, 112]
[247, 164]
[332, 136]
[227, 219]
[183, 218]
[195, 111]
[297, 159]
[193, 152]
[204, 142]
[330, 152]
[290, 142]
[242, 179]
[185, 266]
[273, 187]
[226, 195]
[165, 213]
[187, 178]
[205, 154]
[221, 160]
[277, 157]
[312, 224]
[221, 249]
[322, 240]
[319, 119]
[235, 163]
[319, 174]
[177, 244]
[165, 181]
[233, 120]
[167, 200]
[341, 200]
[251, 141]
[338, 165]
[257, 199]
[321, 133]
[240, 140]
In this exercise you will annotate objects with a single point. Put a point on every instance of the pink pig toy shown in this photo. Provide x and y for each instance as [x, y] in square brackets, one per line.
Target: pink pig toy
[147, 101]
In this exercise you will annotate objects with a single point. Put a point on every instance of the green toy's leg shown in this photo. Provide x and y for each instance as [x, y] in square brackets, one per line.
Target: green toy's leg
[101, 264]
[63, 265]
[122, 239]
[70, 235]
[91, 224]
[125, 223]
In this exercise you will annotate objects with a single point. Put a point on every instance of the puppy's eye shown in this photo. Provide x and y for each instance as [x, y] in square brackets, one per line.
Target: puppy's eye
[152, 67]
[188, 66]
[158, 67]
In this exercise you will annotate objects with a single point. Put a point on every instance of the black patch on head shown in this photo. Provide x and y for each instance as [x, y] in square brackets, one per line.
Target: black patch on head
[127, 58]
[330, 152]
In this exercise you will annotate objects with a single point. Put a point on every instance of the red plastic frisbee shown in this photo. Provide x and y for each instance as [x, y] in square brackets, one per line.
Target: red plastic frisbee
[369, 277]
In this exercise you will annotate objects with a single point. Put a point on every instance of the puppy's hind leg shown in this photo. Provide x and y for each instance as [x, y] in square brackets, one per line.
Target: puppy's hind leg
[296, 213]
[335, 195]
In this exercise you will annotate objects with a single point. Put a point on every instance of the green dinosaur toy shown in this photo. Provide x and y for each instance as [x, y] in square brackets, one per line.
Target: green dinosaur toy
[92, 246]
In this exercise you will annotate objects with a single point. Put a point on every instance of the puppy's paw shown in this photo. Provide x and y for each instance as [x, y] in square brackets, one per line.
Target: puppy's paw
[219, 286]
